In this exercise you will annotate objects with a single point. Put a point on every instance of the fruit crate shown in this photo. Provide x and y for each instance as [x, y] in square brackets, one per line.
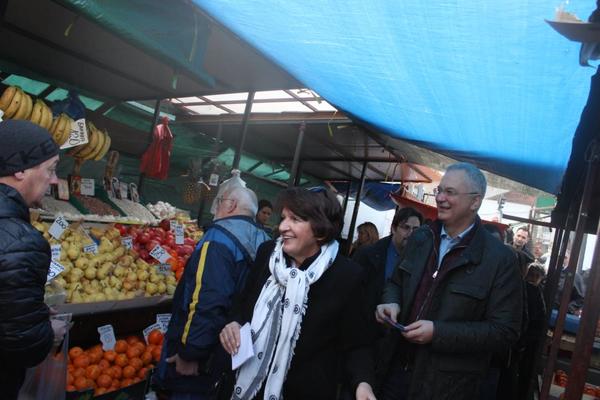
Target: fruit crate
[100, 196]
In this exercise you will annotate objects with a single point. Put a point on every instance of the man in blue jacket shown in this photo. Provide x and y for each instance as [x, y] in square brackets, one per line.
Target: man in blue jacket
[214, 274]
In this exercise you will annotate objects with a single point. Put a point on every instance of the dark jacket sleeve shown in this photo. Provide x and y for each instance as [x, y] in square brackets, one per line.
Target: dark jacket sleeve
[208, 295]
[501, 325]
[26, 335]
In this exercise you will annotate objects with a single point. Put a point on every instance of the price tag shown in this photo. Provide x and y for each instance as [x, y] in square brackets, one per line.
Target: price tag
[179, 234]
[58, 227]
[163, 321]
[172, 224]
[127, 242]
[160, 254]
[87, 187]
[123, 189]
[155, 326]
[56, 249]
[163, 268]
[79, 134]
[213, 180]
[91, 248]
[53, 271]
[107, 337]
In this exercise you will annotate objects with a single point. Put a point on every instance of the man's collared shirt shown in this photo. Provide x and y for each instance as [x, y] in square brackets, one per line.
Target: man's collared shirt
[391, 260]
[447, 243]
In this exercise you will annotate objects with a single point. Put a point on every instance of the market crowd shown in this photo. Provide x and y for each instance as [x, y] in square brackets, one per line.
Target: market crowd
[439, 310]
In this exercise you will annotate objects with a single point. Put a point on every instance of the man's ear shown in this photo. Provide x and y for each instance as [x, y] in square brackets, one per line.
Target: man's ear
[476, 202]
[19, 175]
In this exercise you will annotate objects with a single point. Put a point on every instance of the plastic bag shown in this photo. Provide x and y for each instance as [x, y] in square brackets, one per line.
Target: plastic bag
[48, 379]
[72, 106]
[234, 181]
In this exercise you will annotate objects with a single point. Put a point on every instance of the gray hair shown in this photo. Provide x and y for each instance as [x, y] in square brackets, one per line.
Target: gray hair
[246, 199]
[474, 175]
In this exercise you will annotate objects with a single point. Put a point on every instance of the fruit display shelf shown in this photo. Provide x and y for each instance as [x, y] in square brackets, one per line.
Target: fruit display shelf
[78, 309]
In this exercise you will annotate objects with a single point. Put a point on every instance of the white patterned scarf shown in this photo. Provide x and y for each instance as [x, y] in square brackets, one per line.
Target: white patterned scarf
[276, 323]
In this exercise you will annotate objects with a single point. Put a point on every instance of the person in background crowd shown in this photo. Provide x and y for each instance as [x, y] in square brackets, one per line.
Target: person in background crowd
[458, 292]
[28, 159]
[535, 274]
[367, 235]
[265, 210]
[379, 261]
[214, 274]
[304, 301]
[577, 293]
[539, 253]
[520, 243]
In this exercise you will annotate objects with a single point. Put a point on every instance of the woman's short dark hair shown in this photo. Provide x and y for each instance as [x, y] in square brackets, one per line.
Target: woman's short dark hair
[319, 206]
[262, 203]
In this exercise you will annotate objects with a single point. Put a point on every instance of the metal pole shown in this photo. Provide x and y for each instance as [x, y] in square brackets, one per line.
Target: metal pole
[154, 123]
[582, 354]
[569, 279]
[247, 110]
[296, 161]
[204, 192]
[356, 206]
[345, 204]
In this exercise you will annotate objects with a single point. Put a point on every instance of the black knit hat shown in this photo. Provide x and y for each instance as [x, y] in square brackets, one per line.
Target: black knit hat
[23, 145]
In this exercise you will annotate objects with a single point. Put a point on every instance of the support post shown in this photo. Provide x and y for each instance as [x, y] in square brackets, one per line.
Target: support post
[356, 206]
[154, 122]
[243, 130]
[586, 197]
[345, 204]
[296, 162]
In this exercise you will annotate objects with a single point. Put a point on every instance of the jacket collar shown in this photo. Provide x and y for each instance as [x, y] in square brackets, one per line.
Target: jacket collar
[12, 204]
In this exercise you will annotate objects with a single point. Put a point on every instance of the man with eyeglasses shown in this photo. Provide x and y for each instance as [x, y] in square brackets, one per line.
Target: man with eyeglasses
[457, 291]
[28, 158]
[190, 365]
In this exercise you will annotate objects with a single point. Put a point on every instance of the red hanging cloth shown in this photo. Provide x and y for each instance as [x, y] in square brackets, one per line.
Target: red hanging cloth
[156, 159]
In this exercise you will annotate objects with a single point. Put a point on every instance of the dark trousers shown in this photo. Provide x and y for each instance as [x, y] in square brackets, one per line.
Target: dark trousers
[397, 383]
[11, 380]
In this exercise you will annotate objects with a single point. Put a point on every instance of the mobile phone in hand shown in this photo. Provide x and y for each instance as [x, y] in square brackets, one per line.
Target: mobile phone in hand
[396, 325]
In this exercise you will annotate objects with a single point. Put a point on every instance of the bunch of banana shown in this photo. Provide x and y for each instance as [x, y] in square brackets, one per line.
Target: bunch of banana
[15, 103]
[97, 146]
[41, 115]
[61, 128]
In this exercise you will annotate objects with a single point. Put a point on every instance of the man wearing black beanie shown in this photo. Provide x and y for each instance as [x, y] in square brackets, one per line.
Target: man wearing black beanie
[28, 158]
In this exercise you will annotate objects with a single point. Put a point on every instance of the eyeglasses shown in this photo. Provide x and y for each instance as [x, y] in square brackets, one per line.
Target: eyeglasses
[222, 199]
[449, 192]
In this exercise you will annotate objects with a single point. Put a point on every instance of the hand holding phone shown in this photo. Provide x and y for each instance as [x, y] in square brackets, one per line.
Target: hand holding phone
[396, 325]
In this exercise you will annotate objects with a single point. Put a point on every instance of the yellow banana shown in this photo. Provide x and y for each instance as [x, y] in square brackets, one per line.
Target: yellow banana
[105, 148]
[99, 145]
[90, 146]
[13, 107]
[46, 116]
[37, 113]
[66, 131]
[25, 108]
[7, 97]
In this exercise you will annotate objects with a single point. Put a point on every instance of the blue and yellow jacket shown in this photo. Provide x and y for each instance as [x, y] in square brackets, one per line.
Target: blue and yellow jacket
[213, 275]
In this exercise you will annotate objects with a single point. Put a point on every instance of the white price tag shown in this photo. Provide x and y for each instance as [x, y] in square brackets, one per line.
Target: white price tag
[163, 321]
[163, 268]
[172, 224]
[179, 233]
[58, 227]
[56, 250]
[160, 254]
[213, 180]
[79, 134]
[91, 248]
[107, 337]
[53, 271]
[87, 187]
[123, 189]
[127, 242]
[155, 326]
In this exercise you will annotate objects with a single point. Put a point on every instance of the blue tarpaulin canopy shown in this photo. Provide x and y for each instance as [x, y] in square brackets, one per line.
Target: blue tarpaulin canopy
[489, 82]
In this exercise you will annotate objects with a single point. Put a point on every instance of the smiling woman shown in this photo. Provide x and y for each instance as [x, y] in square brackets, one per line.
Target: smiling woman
[319, 316]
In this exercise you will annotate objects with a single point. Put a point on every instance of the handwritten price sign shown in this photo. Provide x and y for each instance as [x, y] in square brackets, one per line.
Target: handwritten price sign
[160, 254]
[59, 225]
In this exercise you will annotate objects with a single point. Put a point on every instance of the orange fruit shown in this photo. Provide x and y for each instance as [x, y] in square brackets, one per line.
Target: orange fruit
[136, 363]
[99, 391]
[147, 357]
[128, 372]
[137, 379]
[142, 373]
[70, 378]
[104, 381]
[78, 372]
[95, 356]
[140, 345]
[103, 364]
[133, 351]
[156, 353]
[132, 339]
[96, 348]
[121, 346]
[115, 372]
[155, 337]
[81, 361]
[70, 368]
[121, 360]
[110, 355]
[71, 388]
[92, 371]
[116, 385]
[126, 382]
[80, 383]
[90, 383]
[74, 352]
